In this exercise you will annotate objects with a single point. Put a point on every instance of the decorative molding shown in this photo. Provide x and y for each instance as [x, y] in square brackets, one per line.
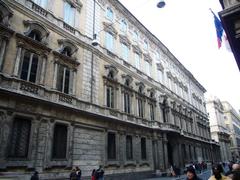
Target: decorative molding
[160, 66]
[108, 27]
[5, 12]
[137, 49]
[147, 57]
[124, 40]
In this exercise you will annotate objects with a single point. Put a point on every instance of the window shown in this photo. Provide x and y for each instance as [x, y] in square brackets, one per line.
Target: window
[123, 26]
[125, 52]
[135, 36]
[19, 143]
[148, 68]
[151, 106]
[140, 108]
[110, 96]
[42, 3]
[59, 142]
[127, 102]
[129, 148]
[63, 79]
[143, 149]
[137, 61]
[109, 41]
[145, 45]
[29, 67]
[109, 14]
[69, 14]
[35, 35]
[160, 76]
[66, 51]
[111, 146]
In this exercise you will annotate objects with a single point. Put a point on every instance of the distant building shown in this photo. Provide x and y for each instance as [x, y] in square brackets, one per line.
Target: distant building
[232, 121]
[127, 104]
[230, 17]
[219, 131]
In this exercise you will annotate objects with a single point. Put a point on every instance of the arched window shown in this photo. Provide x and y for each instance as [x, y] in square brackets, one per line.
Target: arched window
[151, 94]
[109, 14]
[123, 25]
[67, 47]
[145, 45]
[127, 82]
[135, 36]
[35, 35]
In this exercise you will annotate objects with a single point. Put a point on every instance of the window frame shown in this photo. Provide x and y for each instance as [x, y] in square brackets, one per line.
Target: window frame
[111, 150]
[41, 3]
[62, 82]
[69, 18]
[129, 148]
[125, 52]
[143, 147]
[109, 14]
[109, 41]
[61, 125]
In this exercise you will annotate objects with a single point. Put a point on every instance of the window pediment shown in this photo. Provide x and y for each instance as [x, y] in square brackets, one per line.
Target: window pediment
[111, 72]
[160, 66]
[137, 49]
[108, 27]
[147, 57]
[5, 13]
[67, 47]
[124, 40]
[75, 3]
[36, 26]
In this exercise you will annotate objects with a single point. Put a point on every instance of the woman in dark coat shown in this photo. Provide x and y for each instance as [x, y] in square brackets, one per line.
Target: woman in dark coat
[191, 174]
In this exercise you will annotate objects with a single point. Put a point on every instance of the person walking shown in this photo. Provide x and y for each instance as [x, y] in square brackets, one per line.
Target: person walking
[73, 175]
[78, 173]
[93, 176]
[218, 173]
[191, 174]
[100, 173]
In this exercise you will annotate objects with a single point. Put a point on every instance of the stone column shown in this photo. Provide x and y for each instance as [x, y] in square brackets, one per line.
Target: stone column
[43, 70]
[55, 75]
[2, 52]
[17, 62]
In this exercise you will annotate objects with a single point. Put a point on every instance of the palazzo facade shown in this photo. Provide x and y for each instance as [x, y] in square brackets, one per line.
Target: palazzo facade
[127, 104]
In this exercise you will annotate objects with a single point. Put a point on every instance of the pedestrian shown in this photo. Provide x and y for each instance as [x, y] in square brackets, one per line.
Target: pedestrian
[35, 176]
[218, 173]
[235, 168]
[100, 173]
[78, 173]
[73, 175]
[93, 176]
[191, 174]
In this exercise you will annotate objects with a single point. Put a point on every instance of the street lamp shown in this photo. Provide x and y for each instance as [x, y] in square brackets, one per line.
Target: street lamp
[161, 4]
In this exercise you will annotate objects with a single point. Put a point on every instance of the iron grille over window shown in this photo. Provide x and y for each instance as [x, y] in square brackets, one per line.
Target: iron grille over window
[129, 149]
[143, 149]
[111, 146]
[20, 138]
[59, 142]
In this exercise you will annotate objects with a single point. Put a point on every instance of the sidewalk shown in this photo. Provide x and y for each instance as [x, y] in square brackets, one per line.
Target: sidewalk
[204, 176]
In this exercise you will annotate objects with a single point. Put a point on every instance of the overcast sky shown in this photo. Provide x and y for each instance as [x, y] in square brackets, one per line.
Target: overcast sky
[186, 28]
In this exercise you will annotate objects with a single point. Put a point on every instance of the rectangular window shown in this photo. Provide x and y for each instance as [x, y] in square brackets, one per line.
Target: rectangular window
[140, 108]
[42, 3]
[137, 61]
[129, 148]
[148, 68]
[160, 76]
[109, 41]
[111, 146]
[110, 97]
[63, 79]
[20, 138]
[59, 142]
[125, 51]
[151, 106]
[69, 14]
[126, 103]
[143, 149]
[29, 67]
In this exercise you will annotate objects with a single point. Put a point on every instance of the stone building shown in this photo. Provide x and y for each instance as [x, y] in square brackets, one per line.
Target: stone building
[127, 104]
[230, 17]
[232, 121]
[219, 131]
